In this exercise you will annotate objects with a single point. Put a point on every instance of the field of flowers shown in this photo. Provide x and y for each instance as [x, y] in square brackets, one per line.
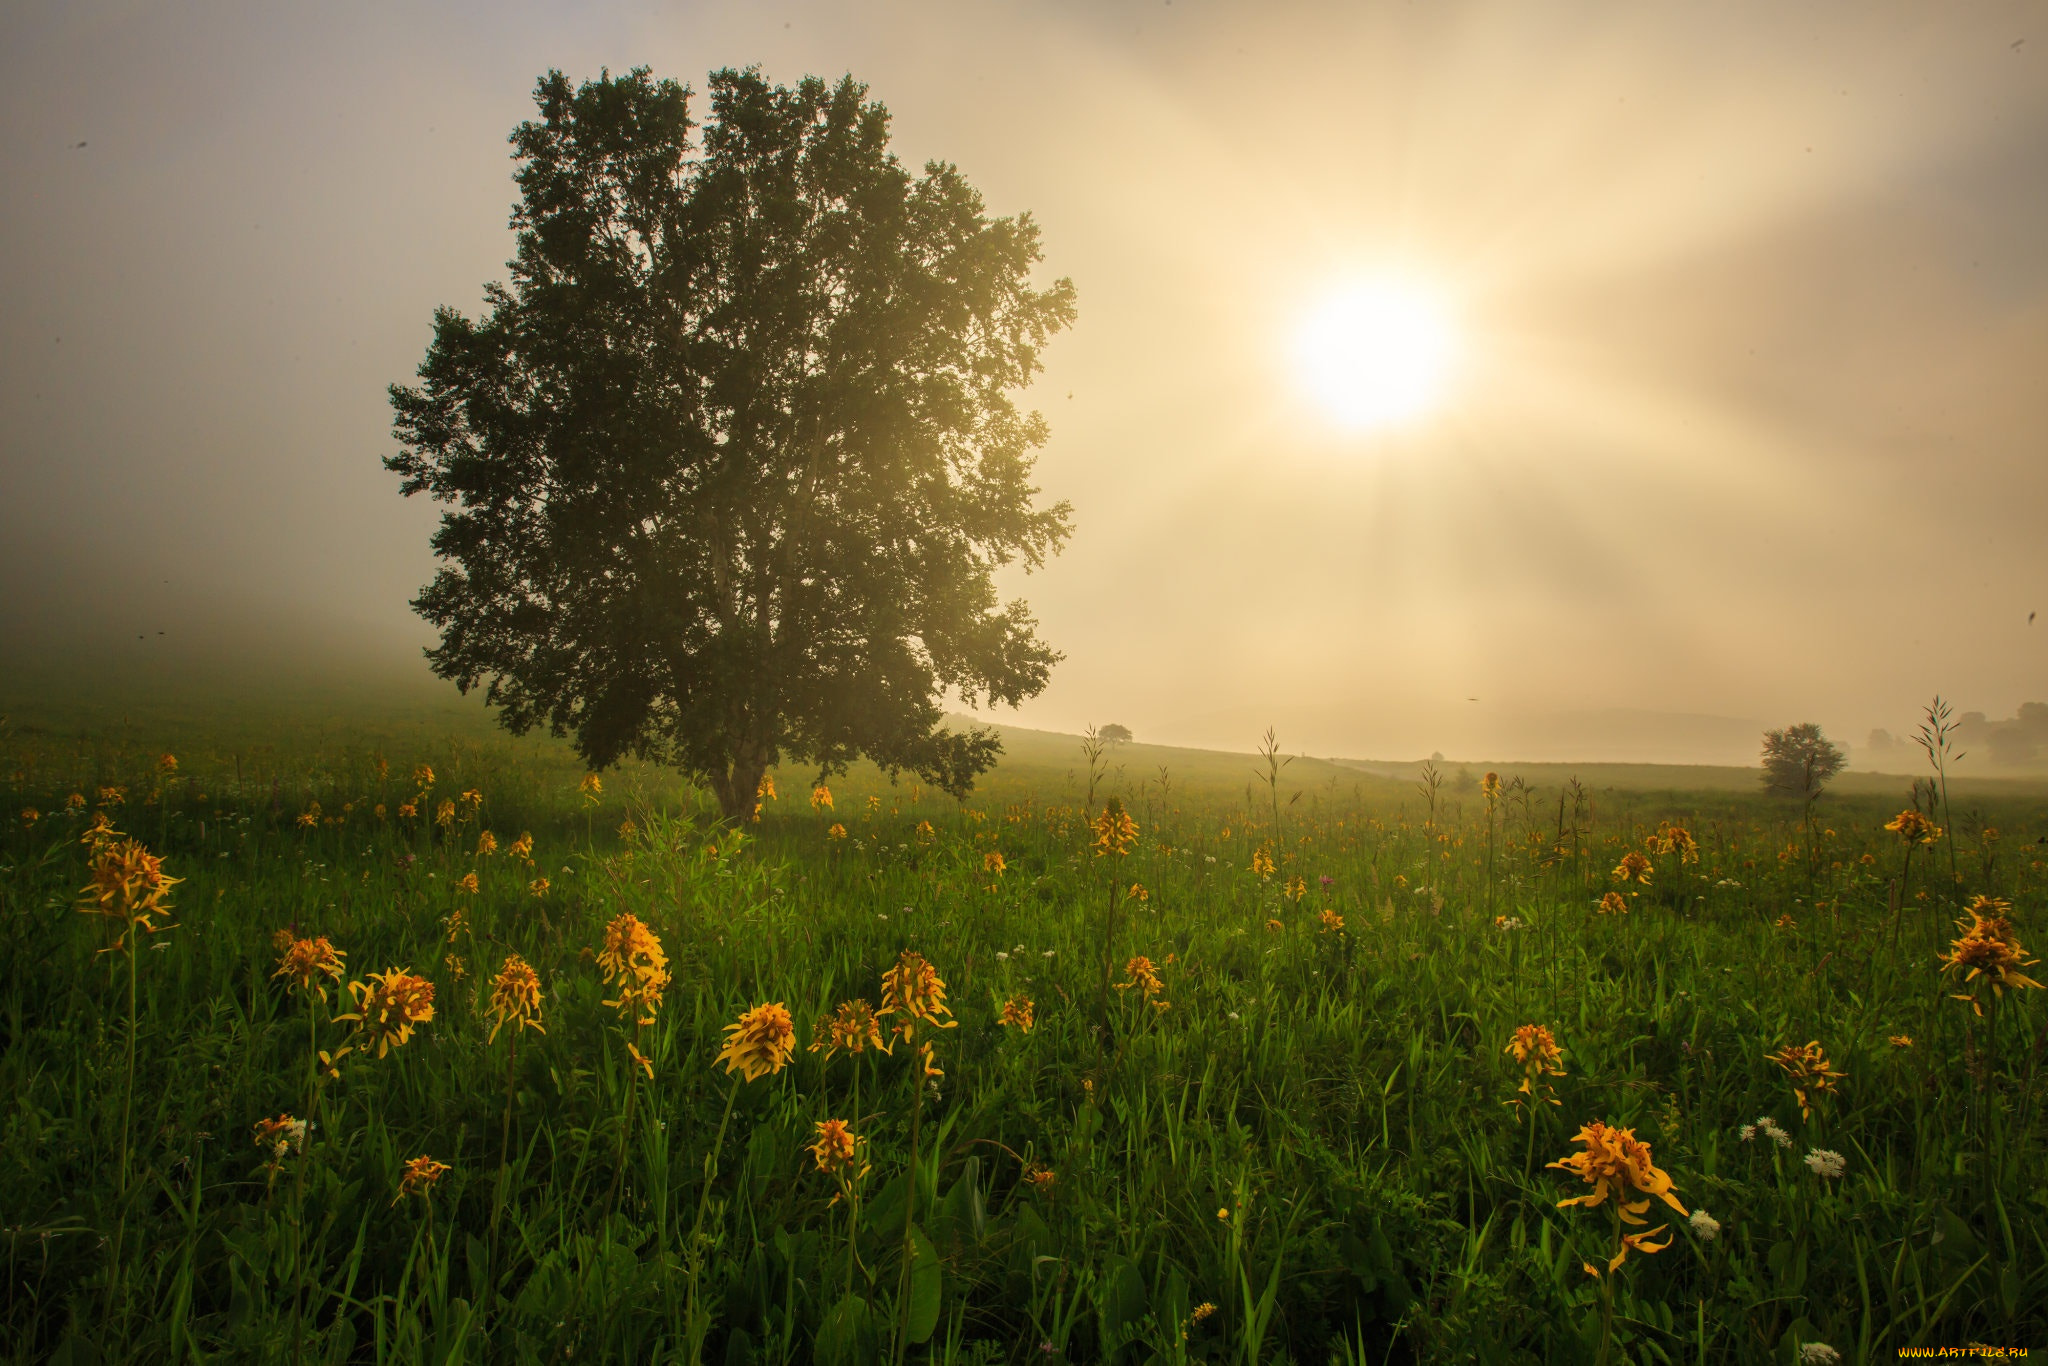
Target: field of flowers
[436, 1056]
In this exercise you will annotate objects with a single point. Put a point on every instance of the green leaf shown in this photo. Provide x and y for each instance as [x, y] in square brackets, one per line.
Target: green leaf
[847, 1335]
[925, 1278]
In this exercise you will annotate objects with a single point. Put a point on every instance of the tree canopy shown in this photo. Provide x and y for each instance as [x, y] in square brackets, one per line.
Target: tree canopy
[734, 456]
[1799, 761]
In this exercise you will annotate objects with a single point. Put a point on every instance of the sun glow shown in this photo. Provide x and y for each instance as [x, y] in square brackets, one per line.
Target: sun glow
[1376, 353]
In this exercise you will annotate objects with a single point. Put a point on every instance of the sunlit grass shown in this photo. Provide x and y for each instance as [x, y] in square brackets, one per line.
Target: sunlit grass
[1216, 1075]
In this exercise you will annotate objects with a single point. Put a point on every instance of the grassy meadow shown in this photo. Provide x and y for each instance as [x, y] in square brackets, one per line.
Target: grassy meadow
[1239, 1084]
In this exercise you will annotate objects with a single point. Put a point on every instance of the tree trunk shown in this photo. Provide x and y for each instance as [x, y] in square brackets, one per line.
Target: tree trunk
[738, 787]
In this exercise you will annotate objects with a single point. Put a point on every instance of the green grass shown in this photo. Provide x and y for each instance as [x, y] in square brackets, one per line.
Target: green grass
[1313, 1137]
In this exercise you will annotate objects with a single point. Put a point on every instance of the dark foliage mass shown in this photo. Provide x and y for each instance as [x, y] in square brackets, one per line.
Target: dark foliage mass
[1799, 761]
[734, 455]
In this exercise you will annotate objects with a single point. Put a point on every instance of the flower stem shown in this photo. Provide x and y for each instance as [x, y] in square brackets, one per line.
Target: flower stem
[910, 1199]
[697, 1328]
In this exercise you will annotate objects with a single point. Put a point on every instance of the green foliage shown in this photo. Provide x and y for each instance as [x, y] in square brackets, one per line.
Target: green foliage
[734, 456]
[1799, 761]
[1312, 1137]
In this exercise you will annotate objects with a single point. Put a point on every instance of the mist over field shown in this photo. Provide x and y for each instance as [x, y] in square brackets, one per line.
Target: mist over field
[1742, 426]
[1133, 682]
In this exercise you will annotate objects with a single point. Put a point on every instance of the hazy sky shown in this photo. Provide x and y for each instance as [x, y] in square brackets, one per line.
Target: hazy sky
[1749, 420]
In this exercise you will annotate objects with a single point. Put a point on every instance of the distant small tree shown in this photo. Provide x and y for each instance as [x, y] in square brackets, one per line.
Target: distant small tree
[1114, 734]
[1799, 761]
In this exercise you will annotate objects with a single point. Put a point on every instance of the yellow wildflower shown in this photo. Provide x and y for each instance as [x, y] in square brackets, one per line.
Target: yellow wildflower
[914, 991]
[1143, 976]
[1615, 1163]
[837, 1147]
[128, 887]
[630, 949]
[760, 1043]
[305, 961]
[852, 1029]
[1536, 1050]
[1017, 1014]
[515, 997]
[1632, 868]
[1913, 828]
[1811, 1074]
[1114, 830]
[388, 1007]
[419, 1177]
[1990, 950]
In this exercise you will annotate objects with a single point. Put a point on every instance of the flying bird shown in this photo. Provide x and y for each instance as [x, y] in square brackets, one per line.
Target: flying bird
[2030, 618]
[76, 146]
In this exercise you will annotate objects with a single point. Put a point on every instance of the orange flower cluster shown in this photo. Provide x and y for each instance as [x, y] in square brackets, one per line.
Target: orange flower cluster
[305, 961]
[515, 997]
[1262, 861]
[1632, 868]
[837, 1149]
[1990, 950]
[760, 1043]
[852, 1029]
[1536, 1051]
[388, 1007]
[1614, 1162]
[1612, 903]
[128, 885]
[1114, 830]
[419, 1177]
[1811, 1074]
[1144, 977]
[915, 993]
[1675, 839]
[1017, 1014]
[1913, 828]
[278, 1139]
[633, 960]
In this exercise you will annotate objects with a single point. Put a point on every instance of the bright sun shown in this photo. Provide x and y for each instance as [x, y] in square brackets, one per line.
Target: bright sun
[1376, 353]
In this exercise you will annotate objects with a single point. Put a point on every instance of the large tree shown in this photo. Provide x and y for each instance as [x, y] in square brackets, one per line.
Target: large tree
[735, 454]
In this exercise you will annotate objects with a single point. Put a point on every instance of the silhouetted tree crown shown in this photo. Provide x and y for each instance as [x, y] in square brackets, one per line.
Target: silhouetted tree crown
[734, 455]
[1799, 761]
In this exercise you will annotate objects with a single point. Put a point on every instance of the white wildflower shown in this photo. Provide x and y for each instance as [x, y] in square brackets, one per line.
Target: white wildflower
[1825, 1163]
[1002, 956]
[1817, 1354]
[1705, 1225]
[1748, 1133]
